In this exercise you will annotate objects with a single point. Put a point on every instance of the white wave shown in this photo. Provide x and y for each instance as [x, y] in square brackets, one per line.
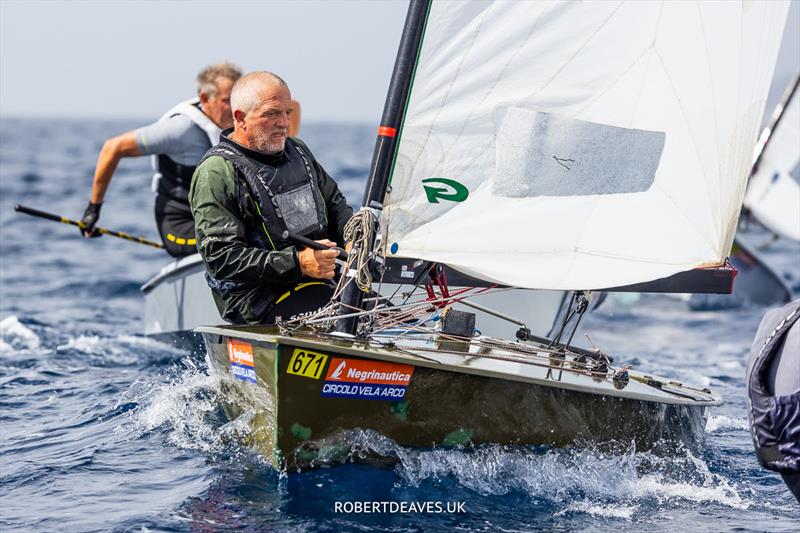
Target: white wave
[183, 408]
[607, 511]
[122, 349]
[149, 343]
[719, 490]
[722, 423]
[84, 343]
[703, 381]
[5, 348]
[732, 368]
[604, 482]
[16, 336]
[685, 375]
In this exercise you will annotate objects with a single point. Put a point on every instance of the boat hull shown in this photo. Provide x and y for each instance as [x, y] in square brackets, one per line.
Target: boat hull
[296, 426]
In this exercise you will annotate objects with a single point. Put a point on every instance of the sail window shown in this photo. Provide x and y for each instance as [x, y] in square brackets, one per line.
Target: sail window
[545, 154]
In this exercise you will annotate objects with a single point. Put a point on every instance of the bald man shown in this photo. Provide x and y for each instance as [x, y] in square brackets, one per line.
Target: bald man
[249, 190]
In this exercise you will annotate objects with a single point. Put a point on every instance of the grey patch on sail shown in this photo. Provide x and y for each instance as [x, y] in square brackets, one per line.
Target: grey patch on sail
[541, 154]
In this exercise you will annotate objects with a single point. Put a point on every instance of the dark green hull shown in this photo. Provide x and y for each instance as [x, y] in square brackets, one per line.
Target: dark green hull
[295, 426]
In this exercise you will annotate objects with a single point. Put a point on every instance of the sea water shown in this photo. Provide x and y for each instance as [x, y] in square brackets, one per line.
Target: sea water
[103, 429]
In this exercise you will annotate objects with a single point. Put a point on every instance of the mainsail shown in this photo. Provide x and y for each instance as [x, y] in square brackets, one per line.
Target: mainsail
[575, 145]
[773, 193]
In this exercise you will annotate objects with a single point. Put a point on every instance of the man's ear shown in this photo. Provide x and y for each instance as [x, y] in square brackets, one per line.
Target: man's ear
[203, 97]
[238, 117]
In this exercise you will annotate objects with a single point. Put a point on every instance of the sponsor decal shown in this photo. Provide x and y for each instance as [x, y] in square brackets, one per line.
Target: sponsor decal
[240, 352]
[452, 191]
[362, 392]
[366, 380]
[243, 372]
[379, 372]
[240, 355]
[405, 272]
[306, 363]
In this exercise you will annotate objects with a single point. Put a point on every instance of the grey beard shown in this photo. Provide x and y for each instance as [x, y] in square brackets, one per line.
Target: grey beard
[269, 148]
[264, 146]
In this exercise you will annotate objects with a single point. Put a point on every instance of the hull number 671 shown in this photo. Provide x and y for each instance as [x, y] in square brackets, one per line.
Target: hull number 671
[307, 364]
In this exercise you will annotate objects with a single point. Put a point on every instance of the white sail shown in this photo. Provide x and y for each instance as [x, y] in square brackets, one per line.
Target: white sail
[574, 145]
[773, 193]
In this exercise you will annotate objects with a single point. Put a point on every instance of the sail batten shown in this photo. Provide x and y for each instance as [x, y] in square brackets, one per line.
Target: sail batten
[618, 130]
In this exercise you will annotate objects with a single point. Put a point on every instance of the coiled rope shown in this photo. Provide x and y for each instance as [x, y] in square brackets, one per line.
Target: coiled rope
[360, 230]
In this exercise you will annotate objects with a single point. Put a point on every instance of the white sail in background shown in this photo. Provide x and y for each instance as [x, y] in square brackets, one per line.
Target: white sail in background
[773, 193]
[574, 145]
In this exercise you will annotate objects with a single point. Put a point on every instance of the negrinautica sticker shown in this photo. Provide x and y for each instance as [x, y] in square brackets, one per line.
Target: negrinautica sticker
[366, 380]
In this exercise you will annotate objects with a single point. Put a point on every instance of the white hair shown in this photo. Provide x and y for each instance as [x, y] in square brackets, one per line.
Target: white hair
[244, 95]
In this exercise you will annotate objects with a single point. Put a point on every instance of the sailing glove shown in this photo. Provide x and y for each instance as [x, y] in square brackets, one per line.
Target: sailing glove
[89, 220]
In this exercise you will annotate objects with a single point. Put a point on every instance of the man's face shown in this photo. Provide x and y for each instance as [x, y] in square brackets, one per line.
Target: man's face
[267, 126]
[218, 107]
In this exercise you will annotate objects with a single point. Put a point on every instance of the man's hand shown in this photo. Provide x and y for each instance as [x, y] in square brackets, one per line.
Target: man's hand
[318, 264]
[89, 220]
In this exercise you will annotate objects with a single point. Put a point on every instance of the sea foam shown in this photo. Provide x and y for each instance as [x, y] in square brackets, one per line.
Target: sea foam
[724, 423]
[16, 337]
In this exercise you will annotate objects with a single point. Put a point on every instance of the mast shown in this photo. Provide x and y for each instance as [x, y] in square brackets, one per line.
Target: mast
[766, 135]
[386, 142]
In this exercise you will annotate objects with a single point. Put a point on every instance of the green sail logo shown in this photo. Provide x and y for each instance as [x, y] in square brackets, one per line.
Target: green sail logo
[452, 191]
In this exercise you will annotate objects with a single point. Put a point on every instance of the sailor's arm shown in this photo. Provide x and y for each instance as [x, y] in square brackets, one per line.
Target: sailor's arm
[113, 150]
[220, 232]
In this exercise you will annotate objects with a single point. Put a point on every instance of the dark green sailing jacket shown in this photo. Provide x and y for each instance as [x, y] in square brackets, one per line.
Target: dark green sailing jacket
[248, 267]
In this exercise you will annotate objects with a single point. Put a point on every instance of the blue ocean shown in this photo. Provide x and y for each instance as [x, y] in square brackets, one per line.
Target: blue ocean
[104, 429]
